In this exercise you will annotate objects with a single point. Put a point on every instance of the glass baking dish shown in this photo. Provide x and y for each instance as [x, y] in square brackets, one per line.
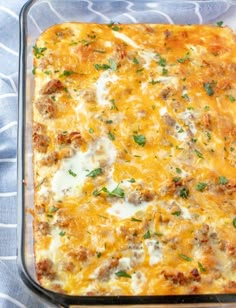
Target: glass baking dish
[38, 15]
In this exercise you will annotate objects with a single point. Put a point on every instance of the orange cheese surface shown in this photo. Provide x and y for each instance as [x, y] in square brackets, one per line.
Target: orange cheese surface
[134, 144]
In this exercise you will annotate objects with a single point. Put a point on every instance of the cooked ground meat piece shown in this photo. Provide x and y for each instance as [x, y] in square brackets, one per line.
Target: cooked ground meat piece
[46, 107]
[52, 86]
[41, 142]
[45, 268]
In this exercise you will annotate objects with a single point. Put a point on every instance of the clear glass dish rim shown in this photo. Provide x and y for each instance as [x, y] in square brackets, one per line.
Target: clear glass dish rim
[33, 285]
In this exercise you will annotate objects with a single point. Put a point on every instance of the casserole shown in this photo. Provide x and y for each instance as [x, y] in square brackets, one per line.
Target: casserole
[28, 188]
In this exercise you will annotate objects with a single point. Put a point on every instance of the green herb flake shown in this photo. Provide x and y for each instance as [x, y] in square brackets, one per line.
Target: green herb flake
[139, 70]
[176, 179]
[199, 154]
[178, 170]
[91, 130]
[62, 233]
[135, 61]
[162, 61]
[234, 222]
[99, 254]
[135, 219]
[184, 192]
[201, 186]
[99, 51]
[113, 107]
[208, 88]
[73, 43]
[206, 108]
[185, 58]
[34, 70]
[39, 52]
[231, 149]
[111, 136]
[219, 23]
[112, 64]
[201, 267]
[122, 274]
[164, 71]
[147, 235]
[223, 180]
[111, 24]
[231, 98]
[49, 215]
[140, 140]
[94, 173]
[132, 180]
[66, 73]
[186, 258]
[117, 192]
[72, 173]
[153, 82]
[116, 28]
[104, 67]
[177, 213]
[109, 122]
[185, 96]
[52, 209]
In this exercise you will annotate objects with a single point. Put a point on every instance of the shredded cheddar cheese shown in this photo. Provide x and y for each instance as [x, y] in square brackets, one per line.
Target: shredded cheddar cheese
[134, 144]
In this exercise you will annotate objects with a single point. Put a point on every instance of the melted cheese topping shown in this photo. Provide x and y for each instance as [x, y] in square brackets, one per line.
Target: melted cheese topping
[134, 159]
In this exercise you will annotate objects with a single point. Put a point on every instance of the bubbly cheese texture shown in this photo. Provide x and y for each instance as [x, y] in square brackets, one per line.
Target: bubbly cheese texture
[134, 143]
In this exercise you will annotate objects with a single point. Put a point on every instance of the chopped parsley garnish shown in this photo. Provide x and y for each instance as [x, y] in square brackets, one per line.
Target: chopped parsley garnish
[207, 108]
[223, 180]
[177, 213]
[99, 254]
[109, 122]
[111, 136]
[116, 28]
[99, 50]
[209, 88]
[67, 73]
[91, 130]
[135, 219]
[116, 192]
[231, 98]
[140, 140]
[73, 43]
[113, 107]
[182, 60]
[99, 67]
[111, 24]
[201, 186]
[34, 70]
[135, 61]
[154, 81]
[202, 269]
[53, 209]
[231, 149]
[219, 23]
[234, 222]
[199, 154]
[139, 70]
[95, 172]
[122, 274]
[185, 96]
[132, 180]
[178, 170]
[208, 135]
[176, 179]
[62, 233]
[72, 173]
[186, 258]
[147, 235]
[184, 192]
[39, 52]
[162, 61]
[164, 71]
[112, 65]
